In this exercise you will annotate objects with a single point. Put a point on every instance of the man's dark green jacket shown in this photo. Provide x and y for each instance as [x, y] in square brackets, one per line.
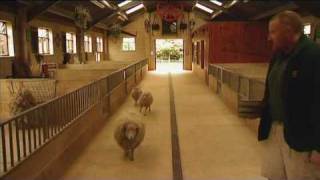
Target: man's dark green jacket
[301, 97]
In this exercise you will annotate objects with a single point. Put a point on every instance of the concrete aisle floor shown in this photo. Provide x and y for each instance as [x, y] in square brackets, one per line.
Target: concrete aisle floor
[214, 143]
[103, 158]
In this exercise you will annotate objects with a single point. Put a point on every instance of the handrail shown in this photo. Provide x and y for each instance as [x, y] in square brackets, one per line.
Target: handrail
[23, 134]
[214, 68]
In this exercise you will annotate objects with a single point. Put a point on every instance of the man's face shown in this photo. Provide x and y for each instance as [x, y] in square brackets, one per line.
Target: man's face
[278, 36]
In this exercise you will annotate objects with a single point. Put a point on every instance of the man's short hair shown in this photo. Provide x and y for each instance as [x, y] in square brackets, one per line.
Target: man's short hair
[291, 20]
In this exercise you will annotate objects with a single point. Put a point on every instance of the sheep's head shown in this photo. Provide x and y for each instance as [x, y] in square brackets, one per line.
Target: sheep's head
[130, 130]
[136, 89]
[145, 95]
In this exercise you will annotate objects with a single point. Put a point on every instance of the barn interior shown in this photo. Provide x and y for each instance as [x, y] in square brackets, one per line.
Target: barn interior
[68, 69]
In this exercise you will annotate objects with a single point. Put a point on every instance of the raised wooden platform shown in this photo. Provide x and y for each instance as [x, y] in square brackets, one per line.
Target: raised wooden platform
[42, 90]
[73, 76]
[241, 85]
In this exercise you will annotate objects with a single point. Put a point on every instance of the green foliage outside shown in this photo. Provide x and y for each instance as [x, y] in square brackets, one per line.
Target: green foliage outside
[169, 50]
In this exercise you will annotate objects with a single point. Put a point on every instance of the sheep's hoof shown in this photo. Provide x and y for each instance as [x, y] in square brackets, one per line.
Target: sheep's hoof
[130, 153]
[126, 154]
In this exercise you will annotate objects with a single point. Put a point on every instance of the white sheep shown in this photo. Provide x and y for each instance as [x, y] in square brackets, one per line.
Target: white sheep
[129, 136]
[136, 93]
[145, 101]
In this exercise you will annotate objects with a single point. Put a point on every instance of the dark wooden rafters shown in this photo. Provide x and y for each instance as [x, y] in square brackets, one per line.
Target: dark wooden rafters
[128, 33]
[39, 9]
[69, 15]
[100, 18]
[219, 9]
[108, 17]
[103, 15]
[61, 12]
[103, 18]
[288, 6]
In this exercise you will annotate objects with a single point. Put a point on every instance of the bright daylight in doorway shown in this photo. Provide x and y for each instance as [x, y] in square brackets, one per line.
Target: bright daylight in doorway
[169, 55]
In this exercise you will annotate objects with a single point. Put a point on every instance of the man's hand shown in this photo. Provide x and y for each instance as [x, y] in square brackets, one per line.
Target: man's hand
[315, 158]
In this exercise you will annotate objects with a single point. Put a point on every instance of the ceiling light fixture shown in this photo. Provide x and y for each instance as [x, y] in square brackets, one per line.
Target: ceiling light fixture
[231, 4]
[216, 2]
[97, 3]
[204, 8]
[124, 3]
[107, 4]
[136, 8]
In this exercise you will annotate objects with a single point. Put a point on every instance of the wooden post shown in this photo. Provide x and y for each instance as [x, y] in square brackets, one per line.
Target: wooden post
[105, 46]
[80, 45]
[21, 62]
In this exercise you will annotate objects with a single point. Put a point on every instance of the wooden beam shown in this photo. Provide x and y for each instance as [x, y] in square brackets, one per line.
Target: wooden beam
[101, 26]
[8, 8]
[39, 9]
[214, 6]
[61, 12]
[107, 18]
[69, 15]
[100, 18]
[118, 12]
[288, 6]
[128, 33]
[24, 2]
[218, 10]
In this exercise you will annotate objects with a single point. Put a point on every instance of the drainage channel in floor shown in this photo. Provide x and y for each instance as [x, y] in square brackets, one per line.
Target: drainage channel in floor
[176, 157]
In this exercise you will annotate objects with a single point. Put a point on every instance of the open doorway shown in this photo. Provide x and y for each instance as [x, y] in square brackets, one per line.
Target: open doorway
[169, 55]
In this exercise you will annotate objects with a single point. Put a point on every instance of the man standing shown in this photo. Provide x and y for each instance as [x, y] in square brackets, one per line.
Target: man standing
[290, 119]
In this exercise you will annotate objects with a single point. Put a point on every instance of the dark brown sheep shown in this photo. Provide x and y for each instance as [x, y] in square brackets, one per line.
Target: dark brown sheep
[129, 136]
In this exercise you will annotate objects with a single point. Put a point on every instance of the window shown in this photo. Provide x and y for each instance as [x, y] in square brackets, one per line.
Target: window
[307, 30]
[99, 44]
[71, 46]
[99, 49]
[45, 41]
[98, 56]
[128, 44]
[87, 43]
[6, 39]
[4, 48]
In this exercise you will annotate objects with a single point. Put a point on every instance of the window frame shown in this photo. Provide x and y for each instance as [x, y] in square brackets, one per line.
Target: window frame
[134, 43]
[99, 48]
[89, 41]
[98, 54]
[7, 40]
[73, 43]
[49, 40]
[307, 24]
[99, 44]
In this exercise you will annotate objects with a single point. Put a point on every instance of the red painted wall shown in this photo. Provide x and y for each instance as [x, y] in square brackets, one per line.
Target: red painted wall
[234, 42]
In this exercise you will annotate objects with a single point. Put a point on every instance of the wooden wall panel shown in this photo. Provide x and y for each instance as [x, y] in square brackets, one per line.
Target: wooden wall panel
[5, 67]
[234, 42]
[202, 54]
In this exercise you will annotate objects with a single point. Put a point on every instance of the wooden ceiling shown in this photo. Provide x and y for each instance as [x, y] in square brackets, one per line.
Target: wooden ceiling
[106, 17]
